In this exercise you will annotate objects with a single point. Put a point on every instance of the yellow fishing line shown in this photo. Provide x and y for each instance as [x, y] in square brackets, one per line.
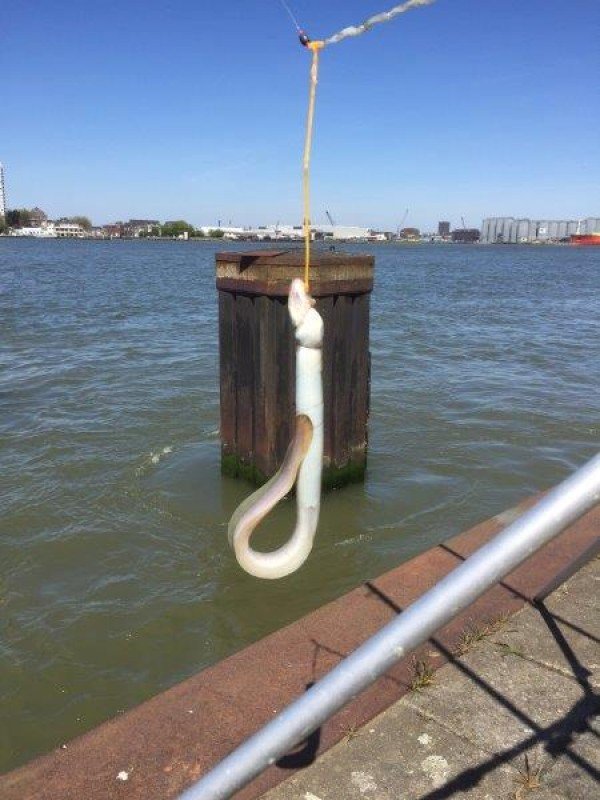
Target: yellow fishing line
[353, 30]
[314, 75]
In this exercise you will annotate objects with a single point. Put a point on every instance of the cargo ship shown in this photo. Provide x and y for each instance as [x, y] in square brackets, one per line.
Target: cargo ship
[585, 238]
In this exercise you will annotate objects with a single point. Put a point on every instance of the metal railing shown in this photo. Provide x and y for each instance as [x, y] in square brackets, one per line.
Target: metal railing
[491, 563]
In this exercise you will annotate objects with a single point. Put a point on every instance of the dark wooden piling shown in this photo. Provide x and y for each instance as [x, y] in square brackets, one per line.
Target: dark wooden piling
[257, 357]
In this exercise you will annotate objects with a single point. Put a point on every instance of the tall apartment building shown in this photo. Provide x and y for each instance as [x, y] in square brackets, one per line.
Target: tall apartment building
[443, 229]
[2, 193]
[508, 230]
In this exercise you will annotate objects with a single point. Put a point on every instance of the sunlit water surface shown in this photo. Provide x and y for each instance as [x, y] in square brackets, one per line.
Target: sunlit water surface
[116, 580]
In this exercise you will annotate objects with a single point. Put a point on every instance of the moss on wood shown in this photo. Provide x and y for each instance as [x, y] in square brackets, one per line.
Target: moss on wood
[333, 477]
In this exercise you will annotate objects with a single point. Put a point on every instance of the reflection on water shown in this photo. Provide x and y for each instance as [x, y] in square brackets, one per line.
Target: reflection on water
[116, 580]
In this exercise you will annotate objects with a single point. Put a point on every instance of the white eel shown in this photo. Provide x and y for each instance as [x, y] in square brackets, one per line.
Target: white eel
[304, 457]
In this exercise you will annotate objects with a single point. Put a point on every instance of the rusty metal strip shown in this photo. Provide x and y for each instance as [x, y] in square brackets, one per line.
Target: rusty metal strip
[319, 288]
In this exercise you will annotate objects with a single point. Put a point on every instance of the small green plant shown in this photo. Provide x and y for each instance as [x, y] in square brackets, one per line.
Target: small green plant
[469, 638]
[423, 675]
[351, 733]
[529, 779]
[508, 650]
[499, 622]
[473, 634]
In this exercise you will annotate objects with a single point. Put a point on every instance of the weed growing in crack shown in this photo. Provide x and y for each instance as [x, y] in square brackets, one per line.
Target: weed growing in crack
[423, 676]
[529, 779]
[473, 634]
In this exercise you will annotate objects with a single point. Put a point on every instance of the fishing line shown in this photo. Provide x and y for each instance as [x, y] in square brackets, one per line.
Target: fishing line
[315, 47]
[303, 462]
[291, 15]
[314, 76]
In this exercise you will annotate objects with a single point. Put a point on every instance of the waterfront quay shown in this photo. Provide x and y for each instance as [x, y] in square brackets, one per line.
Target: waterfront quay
[498, 703]
[512, 715]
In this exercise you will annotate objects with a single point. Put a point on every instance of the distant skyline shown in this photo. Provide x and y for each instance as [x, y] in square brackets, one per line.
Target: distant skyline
[145, 110]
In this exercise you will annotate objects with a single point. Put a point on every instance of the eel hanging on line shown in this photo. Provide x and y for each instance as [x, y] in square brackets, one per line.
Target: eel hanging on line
[303, 459]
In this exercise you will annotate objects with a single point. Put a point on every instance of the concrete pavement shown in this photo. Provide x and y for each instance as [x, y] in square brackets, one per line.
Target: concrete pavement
[512, 715]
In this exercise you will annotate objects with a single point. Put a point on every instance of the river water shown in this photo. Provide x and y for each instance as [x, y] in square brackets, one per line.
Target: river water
[116, 580]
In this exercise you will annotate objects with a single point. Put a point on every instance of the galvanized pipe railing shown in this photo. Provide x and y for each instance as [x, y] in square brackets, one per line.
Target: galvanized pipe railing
[488, 565]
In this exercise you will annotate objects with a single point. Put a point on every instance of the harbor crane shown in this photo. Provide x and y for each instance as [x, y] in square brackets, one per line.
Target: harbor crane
[330, 218]
[401, 225]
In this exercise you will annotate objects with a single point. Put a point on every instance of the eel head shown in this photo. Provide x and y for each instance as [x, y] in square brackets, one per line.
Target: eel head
[306, 319]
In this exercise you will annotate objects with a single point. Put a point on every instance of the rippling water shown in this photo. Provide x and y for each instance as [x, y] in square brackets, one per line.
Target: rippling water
[115, 577]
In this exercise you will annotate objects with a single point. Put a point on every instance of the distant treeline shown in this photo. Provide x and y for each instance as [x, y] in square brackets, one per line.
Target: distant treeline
[29, 218]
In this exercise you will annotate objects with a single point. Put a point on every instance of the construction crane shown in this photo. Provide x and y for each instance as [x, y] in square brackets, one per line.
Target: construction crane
[462, 219]
[401, 225]
[330, 218]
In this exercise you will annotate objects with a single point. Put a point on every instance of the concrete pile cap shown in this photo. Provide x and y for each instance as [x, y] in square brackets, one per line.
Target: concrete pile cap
[270, 272]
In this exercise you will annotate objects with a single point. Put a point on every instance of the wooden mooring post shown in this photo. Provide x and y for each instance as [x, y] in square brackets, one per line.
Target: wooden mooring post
[257, 357]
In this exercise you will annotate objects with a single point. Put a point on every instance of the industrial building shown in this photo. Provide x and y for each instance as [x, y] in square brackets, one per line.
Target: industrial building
[342, 232]
[510, 230]
[261, 233]
[465, 235]
[296, 232]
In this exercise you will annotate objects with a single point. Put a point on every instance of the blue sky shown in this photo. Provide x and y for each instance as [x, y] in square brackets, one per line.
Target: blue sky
[196, 110]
